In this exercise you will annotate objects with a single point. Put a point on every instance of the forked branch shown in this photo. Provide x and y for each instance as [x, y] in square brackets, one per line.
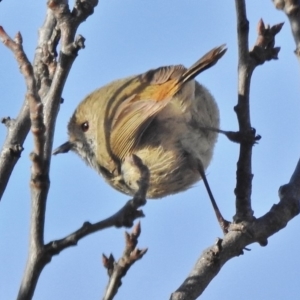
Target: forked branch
[116, 270]
[248, 230]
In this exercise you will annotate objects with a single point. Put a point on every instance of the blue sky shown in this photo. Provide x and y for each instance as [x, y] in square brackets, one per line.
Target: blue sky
[130, 37]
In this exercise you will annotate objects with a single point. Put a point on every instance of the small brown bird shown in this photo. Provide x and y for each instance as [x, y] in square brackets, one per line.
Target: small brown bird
[159, 116]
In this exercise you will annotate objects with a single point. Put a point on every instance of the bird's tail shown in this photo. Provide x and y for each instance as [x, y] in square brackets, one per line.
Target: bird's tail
[204, 63]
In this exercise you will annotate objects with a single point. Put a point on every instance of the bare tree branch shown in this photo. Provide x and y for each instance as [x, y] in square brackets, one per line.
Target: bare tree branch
[248, 230]
[53, 75]
[245, 69]
[262, 51]
[43, 72]
[212, 259]
[124, 217]
[18, 128]
[292, 9]
[38, 130]
[48, 77]
[45, 80]
[117, 270]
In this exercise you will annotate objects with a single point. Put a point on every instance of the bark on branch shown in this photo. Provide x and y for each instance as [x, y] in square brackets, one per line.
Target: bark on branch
[116, 270]
[45, 80]
[247, 229]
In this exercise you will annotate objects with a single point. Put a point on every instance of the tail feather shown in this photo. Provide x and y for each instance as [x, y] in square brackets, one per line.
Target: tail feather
[204, 63]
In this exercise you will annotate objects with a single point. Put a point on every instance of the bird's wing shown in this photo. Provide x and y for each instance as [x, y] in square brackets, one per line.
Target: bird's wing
[136, 113]
[133, 119]
[162, 74]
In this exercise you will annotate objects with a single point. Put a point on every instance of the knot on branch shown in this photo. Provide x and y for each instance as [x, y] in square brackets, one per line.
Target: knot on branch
[16, 150]
[242, 137]
[127, 214]
[264, 49]
[50, 52]
[8, 122]
[71, 50]
[79, 42]
[84, 8]
[49, 55]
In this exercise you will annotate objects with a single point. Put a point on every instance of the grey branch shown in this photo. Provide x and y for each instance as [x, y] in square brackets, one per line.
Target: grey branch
[247, 229]
[117, 269]
[123, 218]
[233, 244]
[50, 75]
[263, 50]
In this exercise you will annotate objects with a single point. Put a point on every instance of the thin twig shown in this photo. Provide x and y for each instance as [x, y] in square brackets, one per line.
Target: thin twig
[117, 269]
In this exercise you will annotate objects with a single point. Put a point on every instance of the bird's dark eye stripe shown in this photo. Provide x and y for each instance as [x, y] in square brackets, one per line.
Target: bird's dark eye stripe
[85, 126]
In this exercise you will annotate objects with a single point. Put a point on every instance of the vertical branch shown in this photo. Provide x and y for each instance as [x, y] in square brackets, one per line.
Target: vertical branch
[39, 180]
[263, 50]
[17, 129]
[45, 57]
[245, 69]
[45, 80]
[67, 24]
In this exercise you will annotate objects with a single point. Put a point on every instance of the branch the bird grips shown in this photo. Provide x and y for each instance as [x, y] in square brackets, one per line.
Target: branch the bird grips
[156, 116]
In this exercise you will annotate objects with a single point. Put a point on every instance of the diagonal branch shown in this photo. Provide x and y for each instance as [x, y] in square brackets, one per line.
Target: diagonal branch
[124, 217]
[212, 259]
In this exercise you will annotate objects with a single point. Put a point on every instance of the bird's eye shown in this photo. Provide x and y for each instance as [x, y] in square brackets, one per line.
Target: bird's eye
[85, 126]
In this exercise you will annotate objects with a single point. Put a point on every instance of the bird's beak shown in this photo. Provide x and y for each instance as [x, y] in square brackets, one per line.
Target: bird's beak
[64, 148]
